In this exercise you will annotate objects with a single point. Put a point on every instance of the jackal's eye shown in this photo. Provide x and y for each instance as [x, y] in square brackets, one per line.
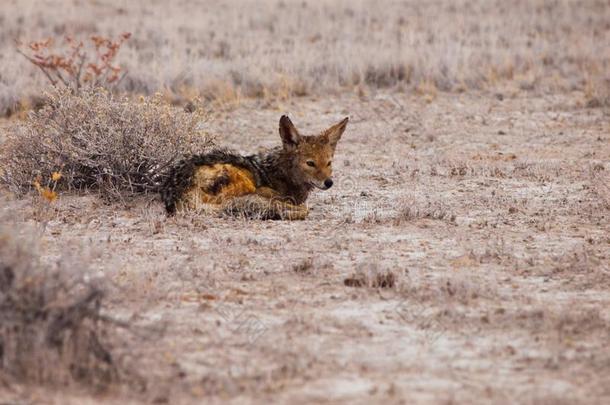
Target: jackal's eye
[311, 163]
[328, 164]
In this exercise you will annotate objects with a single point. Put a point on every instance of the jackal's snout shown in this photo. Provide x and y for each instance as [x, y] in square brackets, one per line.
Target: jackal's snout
[322, 185]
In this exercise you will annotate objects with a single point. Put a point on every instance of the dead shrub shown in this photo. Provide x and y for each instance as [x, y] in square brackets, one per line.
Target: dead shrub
[52, 330]
[97, 141]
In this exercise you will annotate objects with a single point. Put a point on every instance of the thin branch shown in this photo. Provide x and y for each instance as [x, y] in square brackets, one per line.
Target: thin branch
[32, 60]
[120, 79]
[57, 72]
[83, 58]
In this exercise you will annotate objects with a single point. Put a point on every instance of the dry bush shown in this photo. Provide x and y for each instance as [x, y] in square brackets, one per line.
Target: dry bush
[96, 141]
[51, 325]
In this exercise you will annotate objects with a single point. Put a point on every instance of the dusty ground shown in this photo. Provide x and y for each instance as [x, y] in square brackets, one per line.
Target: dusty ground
[491, 212]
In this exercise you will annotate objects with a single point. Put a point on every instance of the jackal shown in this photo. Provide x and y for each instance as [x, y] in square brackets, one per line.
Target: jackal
[268, 185]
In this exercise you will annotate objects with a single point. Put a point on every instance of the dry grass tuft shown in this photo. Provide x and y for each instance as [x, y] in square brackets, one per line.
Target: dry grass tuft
[305, 266]
[385, 279]
[356, 280]
[371, 276]
[52, 330]
[96, 141]
[412, 210]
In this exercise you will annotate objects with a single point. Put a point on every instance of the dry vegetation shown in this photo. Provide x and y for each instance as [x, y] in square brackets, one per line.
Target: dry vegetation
[95, 141]
[80, 63]
[279, 48]
[461, 257]
[52, 330]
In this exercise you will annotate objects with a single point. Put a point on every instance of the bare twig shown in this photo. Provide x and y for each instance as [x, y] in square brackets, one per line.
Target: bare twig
[33, 61]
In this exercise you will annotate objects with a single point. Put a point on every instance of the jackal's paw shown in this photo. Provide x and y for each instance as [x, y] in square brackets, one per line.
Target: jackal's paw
[295, 212]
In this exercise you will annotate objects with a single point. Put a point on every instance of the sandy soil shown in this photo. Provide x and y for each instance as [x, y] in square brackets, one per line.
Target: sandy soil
[462, 256]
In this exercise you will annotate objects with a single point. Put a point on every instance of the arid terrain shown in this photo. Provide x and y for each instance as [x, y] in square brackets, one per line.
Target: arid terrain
[492, 217]
[462, 256]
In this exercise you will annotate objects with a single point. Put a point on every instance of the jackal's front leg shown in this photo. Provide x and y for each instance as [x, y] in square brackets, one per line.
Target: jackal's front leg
[257, 206]
[280, 208]
[284, 210]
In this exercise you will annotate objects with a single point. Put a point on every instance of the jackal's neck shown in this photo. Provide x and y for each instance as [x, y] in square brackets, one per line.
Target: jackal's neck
[279, 169]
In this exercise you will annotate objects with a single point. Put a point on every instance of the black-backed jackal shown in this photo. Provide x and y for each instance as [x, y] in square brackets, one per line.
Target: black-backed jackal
[270, 185]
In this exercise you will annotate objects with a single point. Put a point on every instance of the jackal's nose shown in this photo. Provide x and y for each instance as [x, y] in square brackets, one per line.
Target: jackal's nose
[328, 183]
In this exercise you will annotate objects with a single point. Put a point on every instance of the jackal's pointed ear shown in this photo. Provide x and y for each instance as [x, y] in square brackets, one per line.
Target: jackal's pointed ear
[334, 133]
[289, 134]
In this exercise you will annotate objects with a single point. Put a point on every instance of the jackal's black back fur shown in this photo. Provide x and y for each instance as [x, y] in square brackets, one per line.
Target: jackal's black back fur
[180, 177]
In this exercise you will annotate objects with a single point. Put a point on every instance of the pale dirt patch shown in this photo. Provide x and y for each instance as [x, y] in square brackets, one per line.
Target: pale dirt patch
[493, 216]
